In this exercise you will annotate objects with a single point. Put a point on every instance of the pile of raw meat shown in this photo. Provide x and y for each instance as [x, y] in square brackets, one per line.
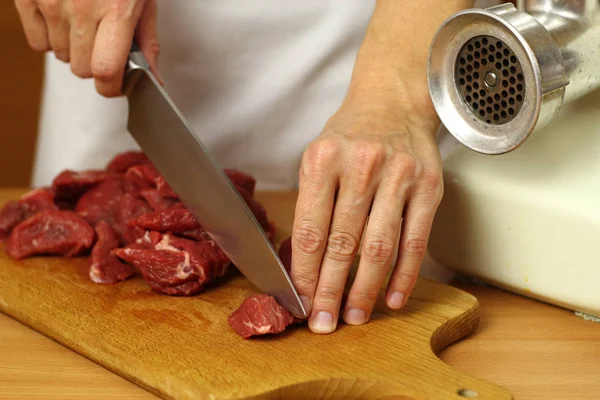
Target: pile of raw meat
[129, 221]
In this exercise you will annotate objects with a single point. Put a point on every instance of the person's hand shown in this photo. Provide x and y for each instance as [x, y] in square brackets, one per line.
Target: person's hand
[375, 159]
[94, 36]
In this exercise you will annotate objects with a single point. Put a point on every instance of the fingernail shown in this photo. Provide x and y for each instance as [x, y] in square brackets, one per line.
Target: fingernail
[356, 316]
[322, 323]
[306, 304]
[396, 300]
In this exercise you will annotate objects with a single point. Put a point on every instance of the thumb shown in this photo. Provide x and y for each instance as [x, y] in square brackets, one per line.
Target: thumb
[146, 36]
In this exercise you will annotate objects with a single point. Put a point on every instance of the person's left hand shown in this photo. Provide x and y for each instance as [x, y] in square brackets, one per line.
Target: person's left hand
[376, 160]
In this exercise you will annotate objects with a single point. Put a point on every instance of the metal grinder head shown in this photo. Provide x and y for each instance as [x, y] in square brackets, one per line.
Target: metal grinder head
[495, 75]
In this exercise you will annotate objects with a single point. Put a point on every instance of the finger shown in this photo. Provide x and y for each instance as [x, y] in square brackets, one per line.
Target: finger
[111, 49]
[349, 216]
[314, 206]
[34, 25]
[84, 25]
[379, 246]
[58, 28]
[419, 215]
[146, 36]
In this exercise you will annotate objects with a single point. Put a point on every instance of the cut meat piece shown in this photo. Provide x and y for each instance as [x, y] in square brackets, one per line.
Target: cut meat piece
[50, 232]
[140, 177]
[241, 179]
[257, 209]
[105, 267]
[260, 314]
[125, 160]
[37, 200]
[70, 185]
[11, 214]
[196, 234]
[98, 202]
[156, 201]
[174, 219]
[29, 204]
[162, 267]
[173, 262]
[164, 189]
[126, 210]
[285, 253]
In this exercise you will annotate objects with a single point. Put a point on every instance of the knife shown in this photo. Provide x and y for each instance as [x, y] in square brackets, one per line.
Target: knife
[167, 139]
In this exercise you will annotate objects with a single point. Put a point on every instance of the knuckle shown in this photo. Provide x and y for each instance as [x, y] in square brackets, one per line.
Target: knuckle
[122, 9]
[329, 294]
[79, 8]
[81, 71]
[415, 245]
[363, 296]
[62, 55]
[107, 90]
[38, 45]
[308, 238]
[105, 72]
[378, 250]
[433, 184]
[370, 153]
[404, 164]
[50, 8]
[153, 47]
[319, 156]
[342, 245]
[303, 280]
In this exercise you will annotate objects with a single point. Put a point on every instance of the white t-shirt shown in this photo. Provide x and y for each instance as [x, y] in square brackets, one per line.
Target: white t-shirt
[257, 81]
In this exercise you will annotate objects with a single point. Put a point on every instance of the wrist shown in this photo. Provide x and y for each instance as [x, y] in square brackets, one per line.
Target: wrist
[393, 99]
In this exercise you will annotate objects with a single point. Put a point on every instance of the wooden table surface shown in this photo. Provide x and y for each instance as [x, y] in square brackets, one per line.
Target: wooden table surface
[534, 350]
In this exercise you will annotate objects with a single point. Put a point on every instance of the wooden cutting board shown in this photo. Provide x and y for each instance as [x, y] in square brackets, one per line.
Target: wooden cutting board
[183, 348]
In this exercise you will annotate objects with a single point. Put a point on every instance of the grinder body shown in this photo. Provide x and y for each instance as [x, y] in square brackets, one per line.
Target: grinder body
[521, 207]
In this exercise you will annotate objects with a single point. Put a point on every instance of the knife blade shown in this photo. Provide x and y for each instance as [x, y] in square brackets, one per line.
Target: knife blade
[167, 139]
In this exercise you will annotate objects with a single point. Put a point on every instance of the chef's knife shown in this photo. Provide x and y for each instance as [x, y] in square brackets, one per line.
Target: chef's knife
[163, 134]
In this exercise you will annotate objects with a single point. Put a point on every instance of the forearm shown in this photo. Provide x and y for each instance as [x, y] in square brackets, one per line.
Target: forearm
[392, 61]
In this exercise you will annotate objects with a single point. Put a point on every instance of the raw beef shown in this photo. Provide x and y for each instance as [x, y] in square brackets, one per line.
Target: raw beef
[155, 200]
[164, 189]
[105, 267]
[260, 314]
[97, 203]
[11, 214]
[28, 205]
[123, 161]
[240, 179]
[170, 265]
[50, 232]
[140, 177]
[173, 219]
[70, 185]
[127, 209]
[285, 253]
[128, 220]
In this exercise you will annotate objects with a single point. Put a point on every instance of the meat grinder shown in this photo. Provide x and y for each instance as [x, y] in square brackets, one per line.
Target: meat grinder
[515, 86]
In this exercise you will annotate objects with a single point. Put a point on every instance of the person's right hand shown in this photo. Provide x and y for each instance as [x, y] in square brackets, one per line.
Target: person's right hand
[94, 36]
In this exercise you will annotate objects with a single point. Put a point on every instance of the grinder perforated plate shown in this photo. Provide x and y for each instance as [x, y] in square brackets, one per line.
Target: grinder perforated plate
[489, 78]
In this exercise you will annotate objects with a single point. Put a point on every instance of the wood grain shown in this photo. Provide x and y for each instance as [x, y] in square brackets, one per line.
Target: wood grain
[183, 347]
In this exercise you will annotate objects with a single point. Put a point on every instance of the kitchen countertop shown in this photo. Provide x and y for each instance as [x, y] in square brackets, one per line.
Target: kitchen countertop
[534, 350]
